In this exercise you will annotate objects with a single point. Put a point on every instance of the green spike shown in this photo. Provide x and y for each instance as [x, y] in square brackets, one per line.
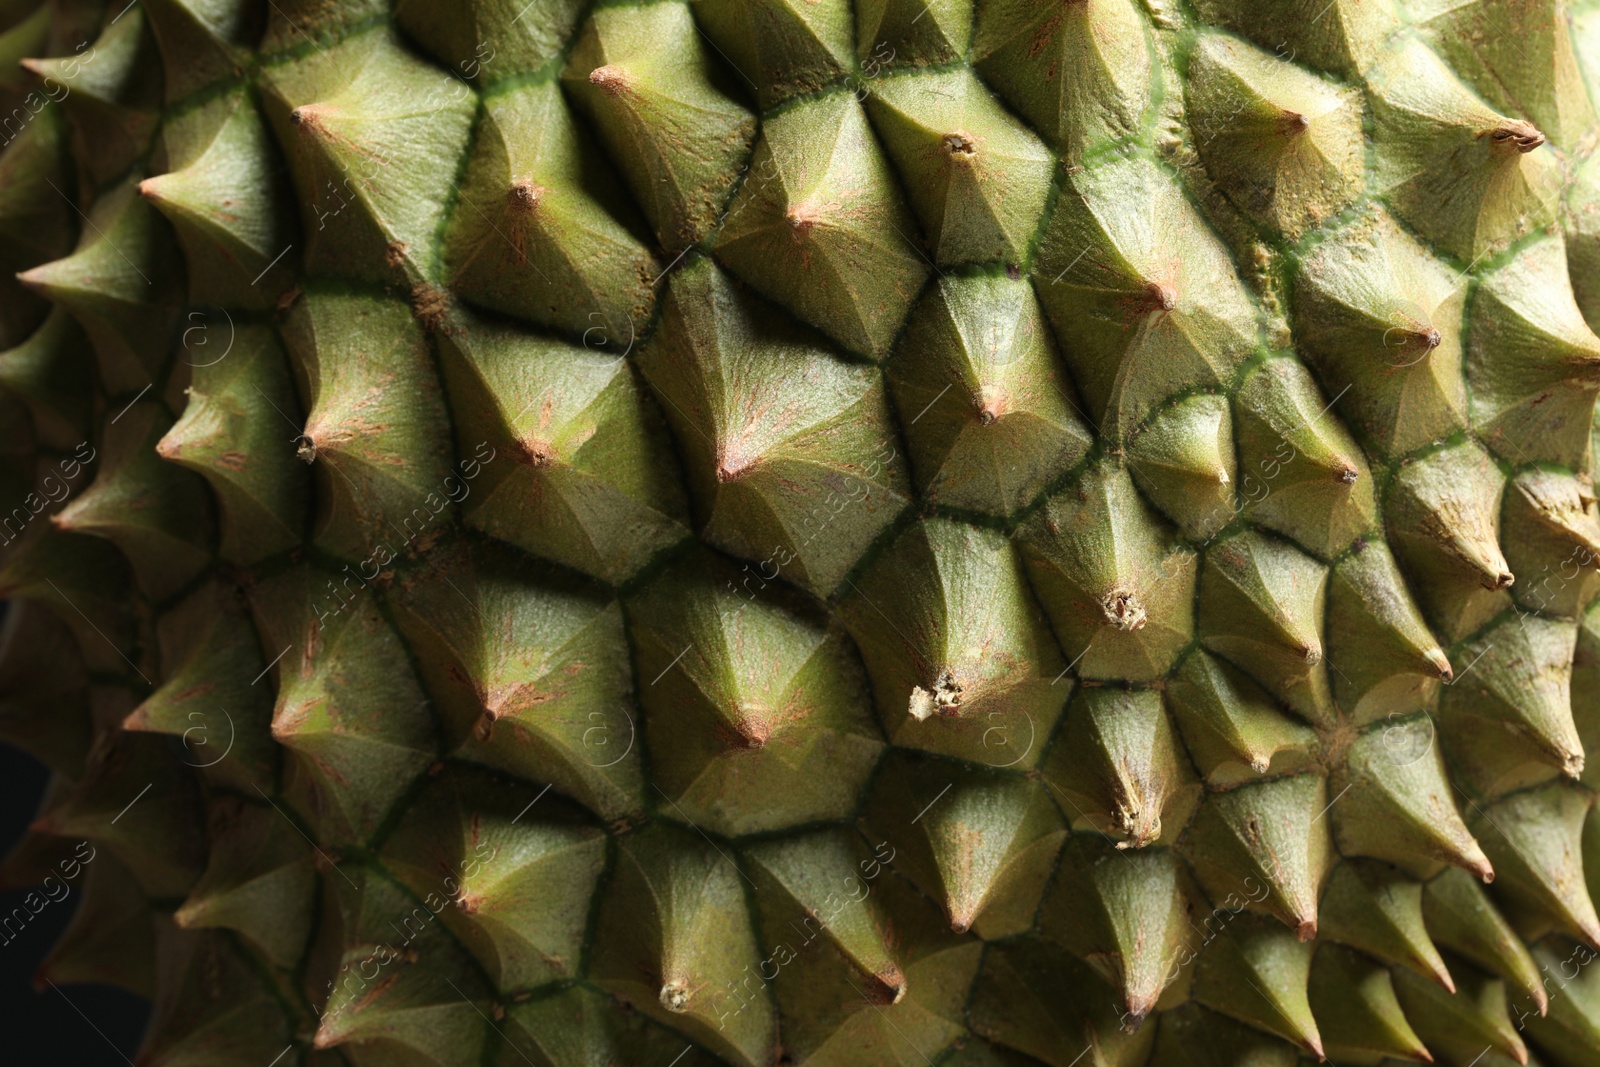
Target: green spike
[792, 46]
[44, 689]
[486, 40]
[1262, 607]
[85, 582]
[203, 41]
[987, 410]
[47, 372]
[1377, 909]
[529, 670]
[1314, 483]
[110, 939]
[372, 135]
[519, 881]
[1257, 972]
[1570, 1033]
[1380, 317]
[37, 223]
[1144, 298]
[1231, 728]
[1267, 842]
[238, 431]
[1035, 997]
[1383, 658]
[576, 459]
[157, 514]
[1443, 523]
[777, 432]
[375, 435]
[1463, 919]
[1118, 588]
[856, 958]
[979, 195]
[121, 284]
[1521, 61]
[979, 844]
[259, 880]
[960, 658]
[810, 886]
[910, 31]
[1342, 36]
[1460, 1027]
[112, 95]
[1123, 913]
[644, 77]
[1080, 73]
[1284, 146]
[227, 199]
[1120, 769]
[1192, 1036]
[1552, 536]
[819, 227]
[672, 930]
[1534, 841]
[765, 721]
[403, 989]
[579, 1027]
[1519, 685]
[1354, 1003]
[160, 838]
[206, 699]
[213, 1005]
[1533, 364]
[1467, 178]
[543, 230]
[1184, 460]
[349, 708]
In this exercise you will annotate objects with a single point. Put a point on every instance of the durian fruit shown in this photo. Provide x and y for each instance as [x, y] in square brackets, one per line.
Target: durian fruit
[809, 532]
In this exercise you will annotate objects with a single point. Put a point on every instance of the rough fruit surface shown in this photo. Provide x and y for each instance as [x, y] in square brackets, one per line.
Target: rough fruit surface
[809, 532]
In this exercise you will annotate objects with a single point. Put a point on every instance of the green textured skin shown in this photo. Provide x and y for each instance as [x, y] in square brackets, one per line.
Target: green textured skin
[827, 532]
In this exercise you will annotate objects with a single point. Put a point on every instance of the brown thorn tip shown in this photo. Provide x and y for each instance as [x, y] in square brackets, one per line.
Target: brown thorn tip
[803, 218]
[1516, 135]
[150, 189]
[675, 996]
[1347, 475]
[611, 80]
[753, 731]
[960, 145]
[1160, 297]
[1307, 930]
[1503, 580]
[1122, 609]
[535, 453]
[888, 986]
[305, 449]
[1440, 662]
[525, 196]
